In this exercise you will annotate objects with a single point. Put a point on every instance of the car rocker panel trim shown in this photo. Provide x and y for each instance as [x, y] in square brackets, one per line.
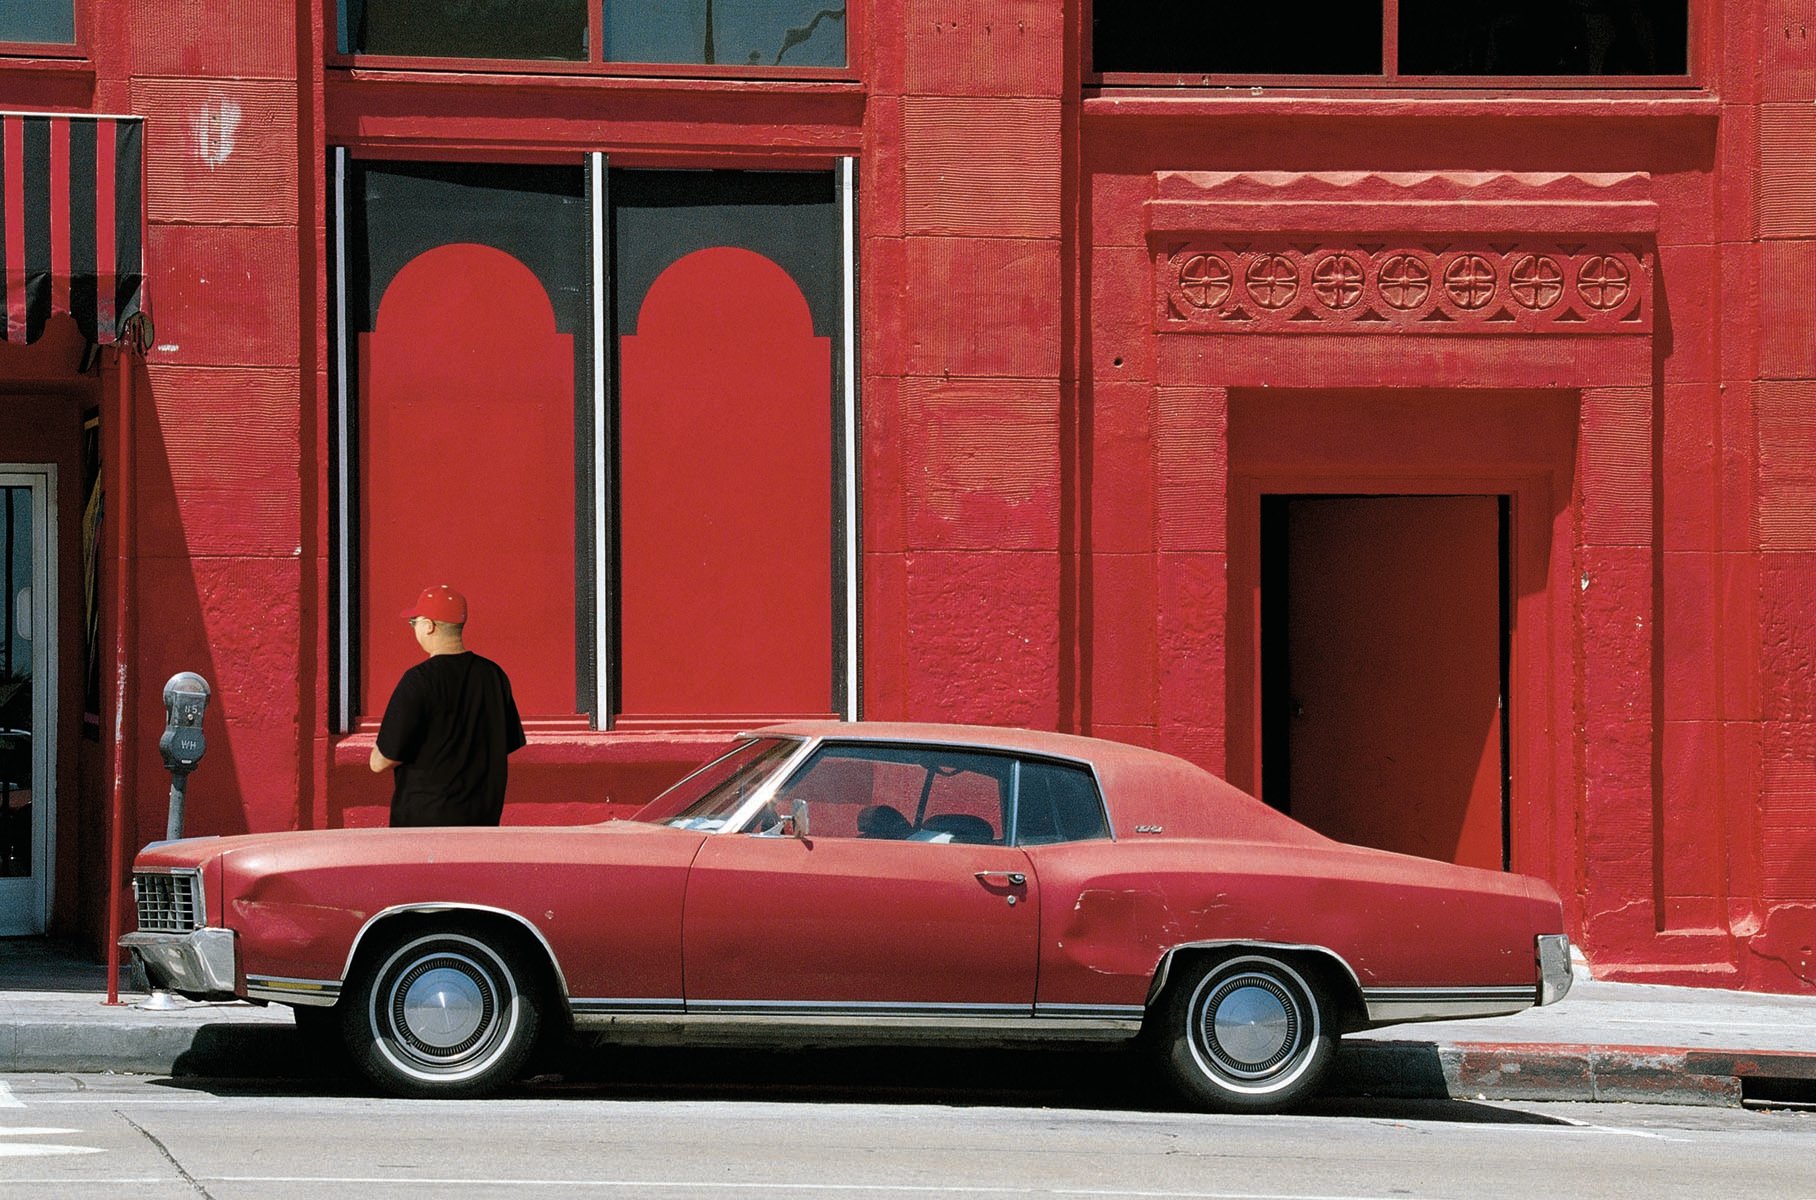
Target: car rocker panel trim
[318, 992]
[1392, 1005]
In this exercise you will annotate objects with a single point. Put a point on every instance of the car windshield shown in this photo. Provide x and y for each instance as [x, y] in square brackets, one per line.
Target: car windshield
[711, 796]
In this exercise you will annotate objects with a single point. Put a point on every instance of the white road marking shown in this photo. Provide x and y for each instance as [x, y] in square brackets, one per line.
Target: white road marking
[38, 1149]
[708, 1187]
[1639, 1133]
[7, 1099]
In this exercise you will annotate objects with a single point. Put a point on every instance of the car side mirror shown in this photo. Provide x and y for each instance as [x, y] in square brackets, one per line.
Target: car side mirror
[795, 823]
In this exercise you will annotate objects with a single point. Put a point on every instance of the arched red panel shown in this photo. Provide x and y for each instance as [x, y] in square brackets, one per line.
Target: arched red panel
[725, 491]
[467, 470]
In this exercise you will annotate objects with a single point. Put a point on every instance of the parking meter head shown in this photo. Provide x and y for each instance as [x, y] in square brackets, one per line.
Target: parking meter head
[185, 700]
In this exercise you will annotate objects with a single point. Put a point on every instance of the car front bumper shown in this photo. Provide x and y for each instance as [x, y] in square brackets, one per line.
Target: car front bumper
[1554, 967]
[202, 964]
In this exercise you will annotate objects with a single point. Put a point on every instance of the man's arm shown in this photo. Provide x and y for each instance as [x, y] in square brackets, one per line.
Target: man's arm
[400, 727]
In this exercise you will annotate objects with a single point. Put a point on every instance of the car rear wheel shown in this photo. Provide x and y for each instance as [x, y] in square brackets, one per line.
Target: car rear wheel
[451, 1012]
[1248, 1033]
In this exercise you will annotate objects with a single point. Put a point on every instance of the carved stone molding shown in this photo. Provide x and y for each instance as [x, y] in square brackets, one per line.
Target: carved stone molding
[1433, 253]
[1248, 284]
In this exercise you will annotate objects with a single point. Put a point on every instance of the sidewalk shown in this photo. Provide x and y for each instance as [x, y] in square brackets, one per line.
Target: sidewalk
[1604, 1042]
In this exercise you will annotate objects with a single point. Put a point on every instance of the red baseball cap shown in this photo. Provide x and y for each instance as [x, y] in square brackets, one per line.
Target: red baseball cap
[439, 603]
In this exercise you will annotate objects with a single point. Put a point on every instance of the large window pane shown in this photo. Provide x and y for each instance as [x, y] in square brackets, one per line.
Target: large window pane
[43, 22]
[756, 33]
[527, 29]
[1220, 37]
[1544, 37]
[726, 305]
[469, 318]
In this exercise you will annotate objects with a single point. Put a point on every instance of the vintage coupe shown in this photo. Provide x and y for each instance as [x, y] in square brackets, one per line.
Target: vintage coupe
[827, 881]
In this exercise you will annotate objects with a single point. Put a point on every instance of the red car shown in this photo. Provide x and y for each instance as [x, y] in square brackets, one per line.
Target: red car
[878, 882]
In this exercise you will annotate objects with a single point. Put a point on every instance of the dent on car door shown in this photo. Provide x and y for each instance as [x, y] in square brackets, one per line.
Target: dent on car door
[902, 897]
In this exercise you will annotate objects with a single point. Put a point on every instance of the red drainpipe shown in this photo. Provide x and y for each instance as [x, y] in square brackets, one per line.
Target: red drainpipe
[122, 497]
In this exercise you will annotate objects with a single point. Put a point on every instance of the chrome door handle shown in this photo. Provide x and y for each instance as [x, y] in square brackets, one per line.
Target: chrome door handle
[1012, 878]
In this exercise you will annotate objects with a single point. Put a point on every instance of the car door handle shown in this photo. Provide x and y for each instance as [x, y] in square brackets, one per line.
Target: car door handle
[1012, 878]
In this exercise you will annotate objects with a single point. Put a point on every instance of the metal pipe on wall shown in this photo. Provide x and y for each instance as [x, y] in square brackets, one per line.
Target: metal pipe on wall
[122, 494]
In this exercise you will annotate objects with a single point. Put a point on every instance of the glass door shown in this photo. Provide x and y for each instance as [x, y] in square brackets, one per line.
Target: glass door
[27, 680]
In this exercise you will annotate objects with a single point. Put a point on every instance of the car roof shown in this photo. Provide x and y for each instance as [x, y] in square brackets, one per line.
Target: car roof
[1142, 786]
[984, 737]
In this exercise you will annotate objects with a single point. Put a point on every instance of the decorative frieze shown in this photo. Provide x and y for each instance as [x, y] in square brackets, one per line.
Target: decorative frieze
[1456, 252]
[1363, 283]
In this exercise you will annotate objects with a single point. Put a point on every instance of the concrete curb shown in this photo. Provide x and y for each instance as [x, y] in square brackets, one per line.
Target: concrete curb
[1588, 1074]
[129, 1041]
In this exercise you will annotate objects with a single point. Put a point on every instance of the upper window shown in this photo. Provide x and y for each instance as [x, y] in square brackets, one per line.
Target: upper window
[731, 33]
[1413, 41]
[38, 22]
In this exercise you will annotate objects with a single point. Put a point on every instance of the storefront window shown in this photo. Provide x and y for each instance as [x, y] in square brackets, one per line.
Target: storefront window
[622, 516]
[1396, 40]
[467, 304]
[38, 22]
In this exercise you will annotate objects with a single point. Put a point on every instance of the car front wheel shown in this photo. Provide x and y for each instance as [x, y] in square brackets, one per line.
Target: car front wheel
[446, 1013]
[1248, 1033]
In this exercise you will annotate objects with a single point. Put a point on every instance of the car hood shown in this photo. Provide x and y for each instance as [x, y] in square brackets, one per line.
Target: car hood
[378, 846]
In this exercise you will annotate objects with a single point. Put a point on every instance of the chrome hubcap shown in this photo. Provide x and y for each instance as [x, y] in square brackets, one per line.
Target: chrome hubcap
[443, 1010]
[443, 1007]
[1250, 1026]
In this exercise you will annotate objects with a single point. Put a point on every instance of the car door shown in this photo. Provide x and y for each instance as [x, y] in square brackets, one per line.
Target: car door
[901, 898]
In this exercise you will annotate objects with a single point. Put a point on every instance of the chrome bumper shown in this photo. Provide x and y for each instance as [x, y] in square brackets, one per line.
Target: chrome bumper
[202, 964]
[1554, 967]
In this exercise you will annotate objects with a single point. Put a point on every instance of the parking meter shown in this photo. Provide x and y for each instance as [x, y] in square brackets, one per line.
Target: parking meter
[182, 746]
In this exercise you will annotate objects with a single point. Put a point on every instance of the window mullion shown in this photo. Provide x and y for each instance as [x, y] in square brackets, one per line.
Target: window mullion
[1390, 39]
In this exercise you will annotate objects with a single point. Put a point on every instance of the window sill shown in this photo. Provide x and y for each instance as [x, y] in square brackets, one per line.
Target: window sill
[1259, 102]
[41, 69]
[443, 76]
[571, 746]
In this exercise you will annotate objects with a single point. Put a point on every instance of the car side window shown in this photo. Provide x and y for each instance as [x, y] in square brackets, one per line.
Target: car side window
[1058, 803]
[903, 793]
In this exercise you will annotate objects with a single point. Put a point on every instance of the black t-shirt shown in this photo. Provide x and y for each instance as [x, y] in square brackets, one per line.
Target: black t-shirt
[450, 723]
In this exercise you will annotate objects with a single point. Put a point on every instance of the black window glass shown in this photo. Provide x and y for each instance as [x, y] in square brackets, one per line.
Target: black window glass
[536, 214]
[1544, 37]
[788, 217]
[525, 29]
[755, 33]
[1057, 804]
[1220, 37]
[41, 22]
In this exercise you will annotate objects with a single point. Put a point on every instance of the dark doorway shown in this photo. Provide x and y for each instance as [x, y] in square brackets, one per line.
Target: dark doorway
[1384, 635]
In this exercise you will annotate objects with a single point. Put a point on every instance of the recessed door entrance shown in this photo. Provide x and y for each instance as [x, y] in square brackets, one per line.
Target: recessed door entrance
[1384, 670]
[27, 684]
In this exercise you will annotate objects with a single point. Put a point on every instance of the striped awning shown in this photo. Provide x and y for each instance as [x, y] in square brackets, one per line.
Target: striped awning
[71, 223]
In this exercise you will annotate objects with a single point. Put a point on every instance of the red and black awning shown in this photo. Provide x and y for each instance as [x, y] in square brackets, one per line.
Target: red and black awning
[71, 223]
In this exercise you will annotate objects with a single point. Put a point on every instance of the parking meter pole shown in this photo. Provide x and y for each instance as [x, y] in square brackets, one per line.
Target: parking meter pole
[179, 784]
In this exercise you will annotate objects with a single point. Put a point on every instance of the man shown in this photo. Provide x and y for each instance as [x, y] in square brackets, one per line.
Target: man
[449, 724]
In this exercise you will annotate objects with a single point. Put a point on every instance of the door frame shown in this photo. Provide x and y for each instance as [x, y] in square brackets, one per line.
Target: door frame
[1530, 704]
[41, 890]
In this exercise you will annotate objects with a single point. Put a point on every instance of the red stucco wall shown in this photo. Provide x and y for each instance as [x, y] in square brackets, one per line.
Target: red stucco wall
[1055, 524]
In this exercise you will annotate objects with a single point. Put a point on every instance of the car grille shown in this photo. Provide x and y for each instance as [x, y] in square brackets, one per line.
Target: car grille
[168, 903]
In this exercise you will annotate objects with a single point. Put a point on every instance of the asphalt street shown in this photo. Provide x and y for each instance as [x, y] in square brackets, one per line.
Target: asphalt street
[100, 1136]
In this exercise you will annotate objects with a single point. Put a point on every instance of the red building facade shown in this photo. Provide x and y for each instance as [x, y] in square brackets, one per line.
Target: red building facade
[1401, 413]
